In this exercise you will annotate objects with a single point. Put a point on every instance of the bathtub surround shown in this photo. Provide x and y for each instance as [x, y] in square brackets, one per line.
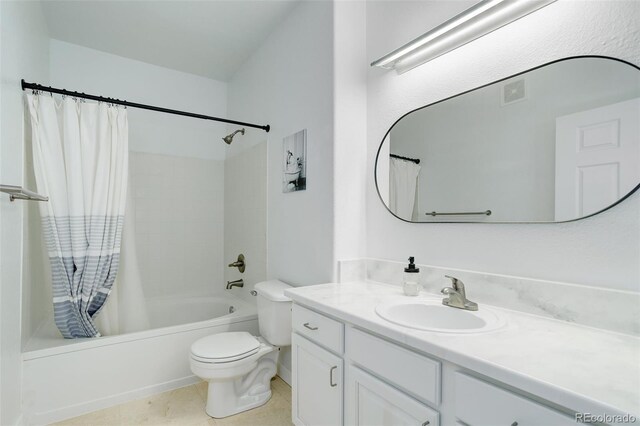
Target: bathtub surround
[245, 217]
[179, 223]
[608, 309]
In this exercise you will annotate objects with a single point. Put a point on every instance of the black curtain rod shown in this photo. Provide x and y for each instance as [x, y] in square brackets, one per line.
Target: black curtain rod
[35, 86]
[414, 160]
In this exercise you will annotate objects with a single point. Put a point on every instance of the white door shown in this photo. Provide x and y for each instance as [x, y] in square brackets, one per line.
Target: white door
[371, 402]
[597, 158]
[317, 385]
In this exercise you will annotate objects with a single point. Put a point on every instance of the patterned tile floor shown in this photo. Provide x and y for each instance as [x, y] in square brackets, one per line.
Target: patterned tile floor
[185, 406]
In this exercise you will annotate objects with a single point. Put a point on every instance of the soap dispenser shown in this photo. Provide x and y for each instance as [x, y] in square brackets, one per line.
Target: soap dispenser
[410, 285]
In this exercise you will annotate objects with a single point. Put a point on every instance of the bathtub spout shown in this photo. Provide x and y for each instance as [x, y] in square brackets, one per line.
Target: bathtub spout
[236, 283]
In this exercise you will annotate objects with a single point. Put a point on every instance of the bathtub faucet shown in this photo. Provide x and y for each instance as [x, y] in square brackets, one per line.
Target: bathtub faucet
[236, 283]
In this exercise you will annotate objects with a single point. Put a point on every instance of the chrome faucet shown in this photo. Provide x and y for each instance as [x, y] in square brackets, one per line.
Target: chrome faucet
[457, 297]
[236, 283]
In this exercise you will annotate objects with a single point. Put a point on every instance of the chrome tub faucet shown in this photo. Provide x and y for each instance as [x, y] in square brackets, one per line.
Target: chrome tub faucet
[457, 297]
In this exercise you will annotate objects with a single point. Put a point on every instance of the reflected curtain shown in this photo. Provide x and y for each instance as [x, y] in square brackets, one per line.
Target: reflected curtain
[403, 183]
[80, 156]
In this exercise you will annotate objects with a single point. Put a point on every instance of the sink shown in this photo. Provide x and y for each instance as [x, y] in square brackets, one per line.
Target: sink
[431, 315]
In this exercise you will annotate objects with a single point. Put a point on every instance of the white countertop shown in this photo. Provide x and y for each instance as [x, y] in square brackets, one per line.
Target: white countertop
[581, 368]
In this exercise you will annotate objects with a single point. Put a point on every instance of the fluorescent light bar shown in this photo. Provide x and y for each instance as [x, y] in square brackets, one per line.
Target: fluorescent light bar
[481, 19]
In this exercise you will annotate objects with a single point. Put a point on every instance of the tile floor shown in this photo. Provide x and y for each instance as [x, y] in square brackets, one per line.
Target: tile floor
[185, 406]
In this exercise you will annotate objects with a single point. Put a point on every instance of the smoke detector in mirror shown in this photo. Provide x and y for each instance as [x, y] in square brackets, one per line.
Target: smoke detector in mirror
[513, 91]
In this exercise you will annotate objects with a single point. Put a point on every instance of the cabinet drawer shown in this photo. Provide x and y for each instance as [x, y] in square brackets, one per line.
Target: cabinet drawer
[318, 328]
[372, 402]
[410, 371]
[482, 404]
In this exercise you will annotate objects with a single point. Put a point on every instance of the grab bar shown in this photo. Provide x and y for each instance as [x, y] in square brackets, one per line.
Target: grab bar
[486, 212]
[19, 193]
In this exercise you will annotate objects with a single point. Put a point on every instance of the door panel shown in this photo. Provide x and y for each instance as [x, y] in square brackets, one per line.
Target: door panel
[597, 158]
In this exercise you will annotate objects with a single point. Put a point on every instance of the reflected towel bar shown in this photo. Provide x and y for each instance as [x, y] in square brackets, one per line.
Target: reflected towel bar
[486, 213]
[413, 160]
[19, 193]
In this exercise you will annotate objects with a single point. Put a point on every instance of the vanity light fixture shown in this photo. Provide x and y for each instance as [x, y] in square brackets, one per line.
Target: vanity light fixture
[480, 19]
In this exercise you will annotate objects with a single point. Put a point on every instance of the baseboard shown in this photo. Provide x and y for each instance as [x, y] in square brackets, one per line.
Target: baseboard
[110, 401]
[284, 373]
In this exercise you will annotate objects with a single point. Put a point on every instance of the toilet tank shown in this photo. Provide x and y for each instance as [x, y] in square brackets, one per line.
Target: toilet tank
[274, 312]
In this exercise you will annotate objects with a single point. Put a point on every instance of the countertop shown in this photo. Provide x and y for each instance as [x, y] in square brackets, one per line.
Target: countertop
[580, 368]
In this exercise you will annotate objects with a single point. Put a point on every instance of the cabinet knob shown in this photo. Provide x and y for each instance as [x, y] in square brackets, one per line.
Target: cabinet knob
[426, 423]
[514, 424]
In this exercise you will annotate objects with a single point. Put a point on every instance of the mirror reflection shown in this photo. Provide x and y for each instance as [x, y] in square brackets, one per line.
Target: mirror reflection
[557, 143]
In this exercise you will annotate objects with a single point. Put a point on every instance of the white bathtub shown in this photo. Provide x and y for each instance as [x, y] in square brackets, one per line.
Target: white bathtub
[166, 312]
[64, 378]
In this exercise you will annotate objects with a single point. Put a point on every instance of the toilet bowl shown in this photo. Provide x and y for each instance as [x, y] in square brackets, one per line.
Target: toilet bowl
[238, 366]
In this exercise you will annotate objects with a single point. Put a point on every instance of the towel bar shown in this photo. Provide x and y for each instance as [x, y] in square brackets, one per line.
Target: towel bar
[19, 193]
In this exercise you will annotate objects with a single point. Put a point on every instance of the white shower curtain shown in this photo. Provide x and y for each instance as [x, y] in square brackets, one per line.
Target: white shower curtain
[403, 181]
[80, 155]
[125, 310]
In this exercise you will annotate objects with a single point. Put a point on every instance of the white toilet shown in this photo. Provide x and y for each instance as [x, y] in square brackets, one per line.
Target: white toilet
[239, 366]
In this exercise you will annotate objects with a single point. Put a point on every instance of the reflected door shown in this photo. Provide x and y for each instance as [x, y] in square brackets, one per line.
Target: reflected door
[597, 158]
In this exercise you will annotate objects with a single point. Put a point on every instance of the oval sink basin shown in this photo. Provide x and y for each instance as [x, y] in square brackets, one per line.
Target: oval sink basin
[434, 316]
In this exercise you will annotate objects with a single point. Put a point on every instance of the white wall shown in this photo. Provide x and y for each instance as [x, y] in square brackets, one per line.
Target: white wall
[477, 154]
[87, 70]
[350, 129]
[24, 53]
[288, 83]
[600, 251]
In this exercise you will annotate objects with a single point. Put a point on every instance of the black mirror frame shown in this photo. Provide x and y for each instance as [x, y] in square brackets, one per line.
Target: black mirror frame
[375, 167]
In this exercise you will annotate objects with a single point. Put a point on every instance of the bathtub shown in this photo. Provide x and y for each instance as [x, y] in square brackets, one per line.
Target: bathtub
[65, 378]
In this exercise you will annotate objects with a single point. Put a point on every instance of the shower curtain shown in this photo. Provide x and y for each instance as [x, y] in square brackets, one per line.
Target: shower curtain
[125, 310]
[80, 156]
[403, 182]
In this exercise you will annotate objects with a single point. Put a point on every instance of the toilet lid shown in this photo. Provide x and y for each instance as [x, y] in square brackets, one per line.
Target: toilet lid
[224, 347]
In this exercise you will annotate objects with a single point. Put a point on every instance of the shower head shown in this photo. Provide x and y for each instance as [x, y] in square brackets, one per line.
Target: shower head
[229, 138]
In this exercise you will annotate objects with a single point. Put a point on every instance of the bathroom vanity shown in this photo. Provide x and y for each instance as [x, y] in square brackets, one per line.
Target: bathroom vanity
[353, 367]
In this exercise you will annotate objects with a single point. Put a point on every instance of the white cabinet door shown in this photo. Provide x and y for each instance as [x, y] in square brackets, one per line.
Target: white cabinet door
[597, 157]
[371, 402]
[317, 385]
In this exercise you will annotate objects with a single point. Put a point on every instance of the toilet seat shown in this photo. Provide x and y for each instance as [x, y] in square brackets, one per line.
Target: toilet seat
[225, 347]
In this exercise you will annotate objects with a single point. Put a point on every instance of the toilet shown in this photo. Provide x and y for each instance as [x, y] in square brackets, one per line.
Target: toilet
[238, 366]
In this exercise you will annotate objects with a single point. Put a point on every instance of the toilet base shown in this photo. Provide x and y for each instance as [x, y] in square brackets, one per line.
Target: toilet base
[219, 407]
[228, 397]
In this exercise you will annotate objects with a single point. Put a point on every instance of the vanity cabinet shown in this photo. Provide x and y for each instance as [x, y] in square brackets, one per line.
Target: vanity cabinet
[372, 402]
[317, 391]
[317, 344]
[479, 403]
[343, 375]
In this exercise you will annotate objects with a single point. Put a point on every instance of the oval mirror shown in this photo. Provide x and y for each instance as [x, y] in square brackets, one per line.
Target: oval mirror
[556, 143]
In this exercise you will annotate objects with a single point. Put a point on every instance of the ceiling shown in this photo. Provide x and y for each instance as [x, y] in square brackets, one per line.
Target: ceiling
[208, 38]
